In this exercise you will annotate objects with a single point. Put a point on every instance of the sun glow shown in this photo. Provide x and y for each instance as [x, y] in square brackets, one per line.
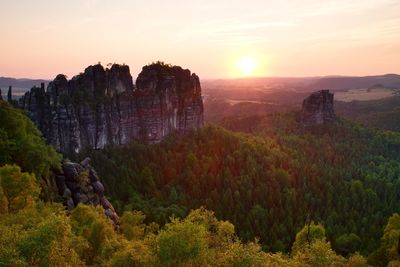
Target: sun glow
[246, 66]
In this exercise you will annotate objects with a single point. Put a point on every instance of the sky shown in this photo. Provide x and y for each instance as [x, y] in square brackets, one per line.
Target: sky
[42, 38]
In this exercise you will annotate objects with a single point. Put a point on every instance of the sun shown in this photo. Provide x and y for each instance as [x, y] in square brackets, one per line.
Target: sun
[246, 66]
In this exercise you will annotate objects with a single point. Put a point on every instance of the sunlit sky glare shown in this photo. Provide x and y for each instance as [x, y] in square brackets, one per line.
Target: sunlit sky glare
[42, 38]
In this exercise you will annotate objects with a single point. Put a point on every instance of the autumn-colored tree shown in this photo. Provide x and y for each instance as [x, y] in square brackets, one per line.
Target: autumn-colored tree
[18, 190]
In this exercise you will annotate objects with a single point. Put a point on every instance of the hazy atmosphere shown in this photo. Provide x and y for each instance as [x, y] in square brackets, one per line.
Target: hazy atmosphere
[200, 133]
[223, 39]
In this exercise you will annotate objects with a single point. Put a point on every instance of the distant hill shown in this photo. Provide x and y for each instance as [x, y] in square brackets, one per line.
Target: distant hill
[334, 83]
[345, 83]
[19, 86]
[20, 83]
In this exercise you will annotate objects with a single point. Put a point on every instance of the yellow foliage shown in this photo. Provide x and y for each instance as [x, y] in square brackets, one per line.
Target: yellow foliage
[18, 189]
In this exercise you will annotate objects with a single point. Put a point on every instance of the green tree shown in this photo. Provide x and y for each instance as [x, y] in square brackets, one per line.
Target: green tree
[39, 235]
[91, 224]
[132, 225]
[133, 253]
[318, 254]
[21, 143]
[347, 244]
[51, 243]
[182, 242]
[18, 190]
[390, 242]
[307, 236]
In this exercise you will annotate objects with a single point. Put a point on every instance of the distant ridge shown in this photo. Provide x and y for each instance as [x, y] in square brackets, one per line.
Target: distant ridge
[354, 82]
[331, 82]
[21, 83]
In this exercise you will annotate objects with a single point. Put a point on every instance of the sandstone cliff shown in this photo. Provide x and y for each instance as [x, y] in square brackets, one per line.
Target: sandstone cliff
[318, 108]
[102, 106]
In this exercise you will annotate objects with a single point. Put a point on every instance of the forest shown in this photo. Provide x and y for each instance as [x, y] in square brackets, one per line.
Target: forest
[274, 194]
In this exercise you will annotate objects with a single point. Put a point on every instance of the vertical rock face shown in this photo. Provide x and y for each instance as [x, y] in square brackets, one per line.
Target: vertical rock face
[102, 106]
[9, 94]
[169, 98]
[318, 108]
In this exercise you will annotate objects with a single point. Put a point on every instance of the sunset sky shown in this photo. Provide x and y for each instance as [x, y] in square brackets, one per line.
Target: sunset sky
[40, 39]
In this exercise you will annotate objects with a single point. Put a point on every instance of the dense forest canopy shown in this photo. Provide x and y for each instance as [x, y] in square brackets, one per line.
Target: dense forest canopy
[382, 113]
[212, 197]
[267, 182]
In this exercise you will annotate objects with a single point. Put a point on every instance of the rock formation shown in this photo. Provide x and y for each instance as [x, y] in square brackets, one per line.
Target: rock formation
[102, 106]
[9, 94]
[79, 183]
[318, 108]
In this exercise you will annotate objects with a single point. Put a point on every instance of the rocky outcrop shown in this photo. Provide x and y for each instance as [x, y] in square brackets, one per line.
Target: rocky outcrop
[102, 106]
[168, 99]
[9, 94]
[318, 108]
[79, 183]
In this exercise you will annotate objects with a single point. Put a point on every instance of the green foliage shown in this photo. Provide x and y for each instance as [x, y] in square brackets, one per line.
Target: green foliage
[390, 242]
[181, 243]
[50, 242]
[17, 190]
[133, 226]
[44, 235]
[38, 236]
[164, 69]
[307, 236]
[383, 113]
[357, 260]
[91, 224]
[319, 253]
[266, 183]
[21, 143]
[133, 253]
[347, 244]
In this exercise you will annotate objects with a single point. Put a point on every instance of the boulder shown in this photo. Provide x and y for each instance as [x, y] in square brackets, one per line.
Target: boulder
[70, 172]
[60, 182]
[109, 213]
[93, 176]
[84, 199]
[77, 198]
[67, 193]
[73, 186]
[98, 188]
[106, 204]
[85, 162]
[70, 204]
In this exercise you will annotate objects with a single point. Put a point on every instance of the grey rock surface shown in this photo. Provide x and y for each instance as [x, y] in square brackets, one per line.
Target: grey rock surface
[75, 187]
[318, 108]
[102, 106]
